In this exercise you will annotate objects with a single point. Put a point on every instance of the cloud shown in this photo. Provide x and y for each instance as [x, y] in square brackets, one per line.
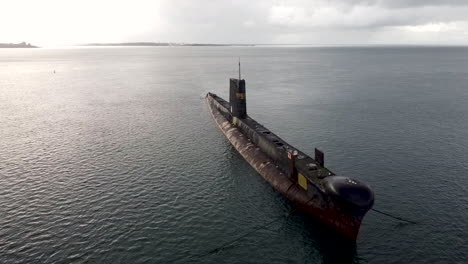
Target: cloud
[363, 14]
[242, 21]
[420, 3]
[433, 27]
[371, 22]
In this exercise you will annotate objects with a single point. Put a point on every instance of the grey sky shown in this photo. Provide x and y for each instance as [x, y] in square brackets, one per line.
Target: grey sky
[341, 22]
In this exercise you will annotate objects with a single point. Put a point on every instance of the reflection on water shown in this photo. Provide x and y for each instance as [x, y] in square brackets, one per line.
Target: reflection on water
[319, 239]
[115, 158]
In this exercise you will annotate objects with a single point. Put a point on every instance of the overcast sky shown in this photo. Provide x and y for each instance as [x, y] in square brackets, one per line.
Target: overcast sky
[317, 22]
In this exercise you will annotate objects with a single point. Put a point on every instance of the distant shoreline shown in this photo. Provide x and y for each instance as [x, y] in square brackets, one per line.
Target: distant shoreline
[17, 45]
[166, 44]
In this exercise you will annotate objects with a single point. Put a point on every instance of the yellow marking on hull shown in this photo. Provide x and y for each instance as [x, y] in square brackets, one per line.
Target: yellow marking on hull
[302, 181]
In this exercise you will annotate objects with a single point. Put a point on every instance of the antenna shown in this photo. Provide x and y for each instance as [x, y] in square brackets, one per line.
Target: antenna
[239, 70]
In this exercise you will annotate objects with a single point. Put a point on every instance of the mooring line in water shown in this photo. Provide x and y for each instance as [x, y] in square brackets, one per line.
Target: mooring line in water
[264, 226]
[230, 243]
[394, 217]
[259, 227]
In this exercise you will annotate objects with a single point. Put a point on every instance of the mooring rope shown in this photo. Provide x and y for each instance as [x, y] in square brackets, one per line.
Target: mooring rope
[264, 226]
[259, 227]
[231, 242]
[225, 245]
[394, 217]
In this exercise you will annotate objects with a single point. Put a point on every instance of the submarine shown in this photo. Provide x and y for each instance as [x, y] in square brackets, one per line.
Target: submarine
[340, 202]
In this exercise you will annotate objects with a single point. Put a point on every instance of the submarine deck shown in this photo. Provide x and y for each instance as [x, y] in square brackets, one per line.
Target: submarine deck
[306, 165]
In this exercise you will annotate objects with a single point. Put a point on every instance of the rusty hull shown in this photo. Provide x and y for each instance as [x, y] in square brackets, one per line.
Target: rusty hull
[314, 201]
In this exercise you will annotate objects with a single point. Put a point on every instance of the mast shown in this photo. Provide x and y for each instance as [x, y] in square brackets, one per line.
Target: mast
[239, 70]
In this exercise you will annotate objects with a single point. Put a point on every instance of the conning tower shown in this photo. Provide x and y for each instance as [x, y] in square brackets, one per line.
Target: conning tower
[237, 98]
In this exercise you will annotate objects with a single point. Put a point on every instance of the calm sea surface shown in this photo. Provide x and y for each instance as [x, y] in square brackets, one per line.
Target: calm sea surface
[114, 158]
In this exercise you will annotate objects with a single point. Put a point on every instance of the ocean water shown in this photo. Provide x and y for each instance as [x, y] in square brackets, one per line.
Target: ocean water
[114, 158]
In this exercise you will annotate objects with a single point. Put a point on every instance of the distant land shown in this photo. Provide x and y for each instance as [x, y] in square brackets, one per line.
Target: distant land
[17, 45]
[164, 44]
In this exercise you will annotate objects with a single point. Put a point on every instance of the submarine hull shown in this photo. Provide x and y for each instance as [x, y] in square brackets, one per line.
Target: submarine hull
[329, 210]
